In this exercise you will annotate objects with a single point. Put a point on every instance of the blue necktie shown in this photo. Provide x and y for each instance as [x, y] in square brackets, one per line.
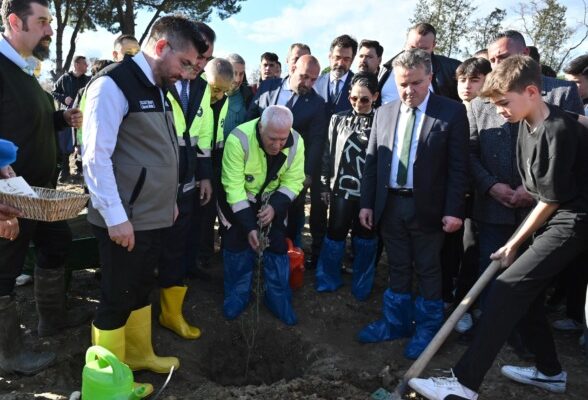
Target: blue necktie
[184, 96]
[291, 100]
[335, 91]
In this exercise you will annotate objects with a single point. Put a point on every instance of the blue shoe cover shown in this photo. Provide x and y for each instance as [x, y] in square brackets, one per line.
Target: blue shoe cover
[278, 294]
[238, 273]
[396, 322]
[328, 267]
[428, 318]
[364, 267]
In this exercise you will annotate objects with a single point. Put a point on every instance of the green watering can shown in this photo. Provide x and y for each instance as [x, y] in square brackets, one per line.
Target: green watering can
[106, 378]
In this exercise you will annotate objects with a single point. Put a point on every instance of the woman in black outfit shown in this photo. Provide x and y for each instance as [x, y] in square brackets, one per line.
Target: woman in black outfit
[342, 169]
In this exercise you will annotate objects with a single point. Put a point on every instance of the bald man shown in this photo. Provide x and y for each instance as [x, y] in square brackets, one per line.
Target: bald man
[296, 92]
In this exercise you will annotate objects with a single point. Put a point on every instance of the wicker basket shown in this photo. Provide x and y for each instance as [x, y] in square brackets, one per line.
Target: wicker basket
[52, 205]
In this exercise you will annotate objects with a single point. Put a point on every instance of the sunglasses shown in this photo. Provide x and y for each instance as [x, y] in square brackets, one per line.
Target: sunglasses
[362, 100]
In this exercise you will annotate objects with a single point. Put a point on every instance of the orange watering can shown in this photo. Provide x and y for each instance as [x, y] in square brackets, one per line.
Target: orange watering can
[296, 256]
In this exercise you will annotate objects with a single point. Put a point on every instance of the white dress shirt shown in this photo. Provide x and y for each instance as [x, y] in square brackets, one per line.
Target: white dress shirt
[389, 90]
[286, 93]
[179, 87]
[332, 80]
[399, 139]
[9, 52]
[105, 108]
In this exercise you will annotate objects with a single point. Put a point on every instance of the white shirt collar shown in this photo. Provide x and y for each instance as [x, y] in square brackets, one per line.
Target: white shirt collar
[10, 52]
[342, 79]
[141, 61]
[421, 107]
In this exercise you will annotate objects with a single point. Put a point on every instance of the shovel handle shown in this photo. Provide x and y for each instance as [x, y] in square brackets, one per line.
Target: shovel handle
[419, 365]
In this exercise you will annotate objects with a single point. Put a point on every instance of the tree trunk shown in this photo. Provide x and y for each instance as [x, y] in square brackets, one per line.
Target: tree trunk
[58, 40]
[155, 16]
[128, 17]
[74, 34]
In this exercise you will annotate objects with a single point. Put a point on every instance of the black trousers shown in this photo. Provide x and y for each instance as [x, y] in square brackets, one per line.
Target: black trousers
[205, 222]
[470, 260]
[460, 258]
[127, 277]
[318, 216]
[405, 243]
[451, 257]
[344, 215]
[175, 239]
[518, 295]
[52, 241]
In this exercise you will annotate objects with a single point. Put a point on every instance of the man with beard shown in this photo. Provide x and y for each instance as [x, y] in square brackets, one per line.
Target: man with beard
[28, 119]
[296, 92]
[198, 94]
[370, 56]
[333, 87]
[130, 158]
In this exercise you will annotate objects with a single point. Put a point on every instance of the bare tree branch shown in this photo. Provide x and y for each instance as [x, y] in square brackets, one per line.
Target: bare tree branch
[584, 24]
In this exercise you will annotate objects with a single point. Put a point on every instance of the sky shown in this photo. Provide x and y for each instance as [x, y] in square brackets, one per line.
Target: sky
[273, 25]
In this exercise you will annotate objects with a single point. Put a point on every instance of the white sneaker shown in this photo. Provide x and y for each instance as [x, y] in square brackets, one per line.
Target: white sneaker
[531, 376]
[440, 388]
[23, 279]
[568, 325]
[465, 323]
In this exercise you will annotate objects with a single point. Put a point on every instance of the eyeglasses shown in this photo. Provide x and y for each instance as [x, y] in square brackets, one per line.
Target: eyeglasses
[187, 66]
[362, 100]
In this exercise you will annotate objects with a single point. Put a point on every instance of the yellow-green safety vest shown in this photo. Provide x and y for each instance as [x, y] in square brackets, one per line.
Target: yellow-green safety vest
[201, 129]
[244, 167]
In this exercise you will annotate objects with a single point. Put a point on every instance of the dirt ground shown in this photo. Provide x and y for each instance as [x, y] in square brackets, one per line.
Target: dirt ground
[317, 359]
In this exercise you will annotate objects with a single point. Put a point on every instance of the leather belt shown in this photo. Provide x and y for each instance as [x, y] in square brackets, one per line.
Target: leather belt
[401, 192]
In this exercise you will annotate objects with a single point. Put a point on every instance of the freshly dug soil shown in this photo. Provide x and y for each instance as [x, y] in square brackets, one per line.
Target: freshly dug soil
[317, 359]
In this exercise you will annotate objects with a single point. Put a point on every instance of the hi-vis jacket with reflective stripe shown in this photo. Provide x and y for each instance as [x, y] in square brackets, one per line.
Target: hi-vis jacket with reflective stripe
[245, 166]
[219, 136]
[201, 129]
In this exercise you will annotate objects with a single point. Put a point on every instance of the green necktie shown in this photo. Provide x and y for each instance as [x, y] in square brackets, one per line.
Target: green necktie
[405, 154]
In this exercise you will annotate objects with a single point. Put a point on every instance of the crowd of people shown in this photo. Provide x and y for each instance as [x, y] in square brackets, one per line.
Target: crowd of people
[444, 165]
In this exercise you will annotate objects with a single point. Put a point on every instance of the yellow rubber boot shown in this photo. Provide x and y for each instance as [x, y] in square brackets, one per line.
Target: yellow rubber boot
[171, 317]
[114, 341]
[139, 348]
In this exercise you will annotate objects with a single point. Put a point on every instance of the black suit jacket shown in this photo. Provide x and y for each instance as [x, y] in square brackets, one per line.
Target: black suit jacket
[309, 119]
[341, 103]
[440, 168]
[444, 81]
